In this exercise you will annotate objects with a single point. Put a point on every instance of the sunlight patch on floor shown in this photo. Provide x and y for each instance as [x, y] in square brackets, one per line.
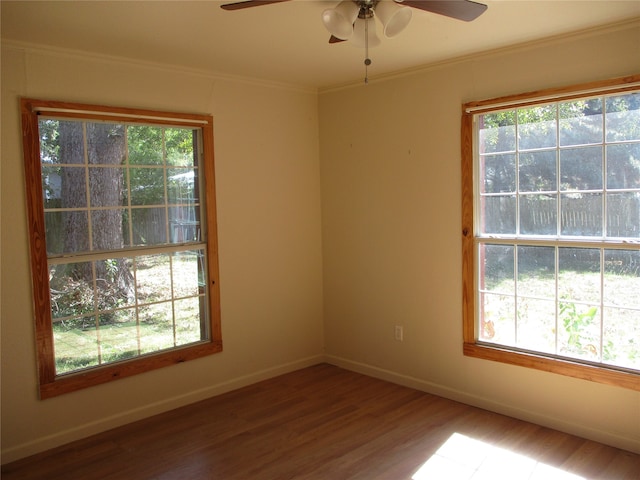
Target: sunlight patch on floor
[464, 458]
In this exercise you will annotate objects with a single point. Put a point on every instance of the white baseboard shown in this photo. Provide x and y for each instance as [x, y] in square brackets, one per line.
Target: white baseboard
[104, 424]
[83, 431]
[624, 443]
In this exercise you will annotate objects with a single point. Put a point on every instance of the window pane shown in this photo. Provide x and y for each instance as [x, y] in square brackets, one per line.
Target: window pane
[497, 324]
[581, 214]
[147, 186]
[51, 186]
[499, 173]
[579, 274]
[64, 187]
[498, 132]
[189, 321]
[105, 143]
[71, 289]
[153, 278]
[538, 214]
[118, 335]
[149, 226]
[579, 330]
[180, 146]
[498, 271]
[188, 273]
[108, 227]
[623, 215]
[499, 214]
[536, 272]
[180, 185]
[537, 171]
[114, 283]
[126, 228]
[144, 145]
[156, 327]
[49, 132]
[621, 344]
[106, 187]
[66, 232]
[536, 323]
[623, 166]
[61, 142]
[537, 127]
[623, 117]
[581, 168]
[622, 278]
[581, 122]
[53, 228]
[184, 224]
[76, 344]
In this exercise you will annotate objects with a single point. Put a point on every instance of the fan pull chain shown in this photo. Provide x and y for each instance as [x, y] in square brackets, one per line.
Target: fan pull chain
[367, 60]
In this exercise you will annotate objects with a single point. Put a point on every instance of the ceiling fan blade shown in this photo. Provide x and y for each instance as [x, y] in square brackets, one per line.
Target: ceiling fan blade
[465, 10]
[335, 39]
[249, 4]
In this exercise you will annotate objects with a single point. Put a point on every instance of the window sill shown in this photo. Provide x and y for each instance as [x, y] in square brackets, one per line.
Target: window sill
[95, 376]
[592, 373]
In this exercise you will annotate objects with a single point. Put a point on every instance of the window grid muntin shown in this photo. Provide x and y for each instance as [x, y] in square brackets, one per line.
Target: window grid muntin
[49, 385]
[96, 312]
[135, 251]
[126, 166]
[557, 245]
[478, 177]
[583, 370]
[602, 243]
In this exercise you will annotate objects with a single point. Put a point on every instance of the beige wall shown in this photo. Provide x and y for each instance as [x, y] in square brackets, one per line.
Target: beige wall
[390, 157]
[268, 192]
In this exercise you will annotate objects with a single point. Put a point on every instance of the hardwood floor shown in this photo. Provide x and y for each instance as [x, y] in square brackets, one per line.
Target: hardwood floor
[327, 423]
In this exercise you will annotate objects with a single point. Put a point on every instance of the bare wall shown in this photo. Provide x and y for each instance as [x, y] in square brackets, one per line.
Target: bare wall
[268, 193]
[391, 220]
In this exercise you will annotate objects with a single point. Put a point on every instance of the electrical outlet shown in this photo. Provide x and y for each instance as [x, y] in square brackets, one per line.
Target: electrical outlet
[399, 333]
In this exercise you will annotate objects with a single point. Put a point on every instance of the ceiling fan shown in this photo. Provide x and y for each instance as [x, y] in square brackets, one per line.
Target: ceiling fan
[351, 19]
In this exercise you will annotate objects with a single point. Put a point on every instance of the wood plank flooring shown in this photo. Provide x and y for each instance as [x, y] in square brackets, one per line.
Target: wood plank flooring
[326, 423]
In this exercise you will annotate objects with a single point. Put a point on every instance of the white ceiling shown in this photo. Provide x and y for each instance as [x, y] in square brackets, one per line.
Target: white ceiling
[287, 42]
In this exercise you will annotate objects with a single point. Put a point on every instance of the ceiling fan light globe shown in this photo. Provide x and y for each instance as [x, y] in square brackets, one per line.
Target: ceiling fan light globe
[394, 17]
[339, 20]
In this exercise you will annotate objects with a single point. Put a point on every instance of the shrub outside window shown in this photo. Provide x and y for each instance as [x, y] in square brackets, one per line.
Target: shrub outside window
[551, 230]
[121, 207]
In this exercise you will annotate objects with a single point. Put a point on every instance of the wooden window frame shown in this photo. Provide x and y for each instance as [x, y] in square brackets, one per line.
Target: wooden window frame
[50, 384]
[471, 346]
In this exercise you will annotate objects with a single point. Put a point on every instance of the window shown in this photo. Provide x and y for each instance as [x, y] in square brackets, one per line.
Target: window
[121, 207]
[551, 231]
